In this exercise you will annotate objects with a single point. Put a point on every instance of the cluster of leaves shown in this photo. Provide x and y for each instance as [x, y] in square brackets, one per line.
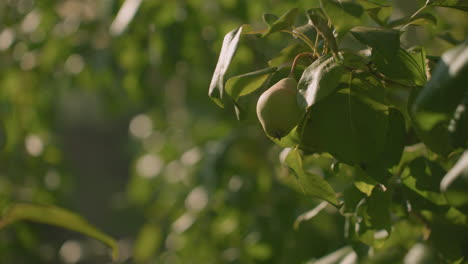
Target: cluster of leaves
[391, 121]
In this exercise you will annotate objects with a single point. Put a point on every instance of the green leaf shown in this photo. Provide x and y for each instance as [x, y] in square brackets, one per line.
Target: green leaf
[319, 80]
[419, 19]
[381, 40]
[448, 36]
[286, 55]
[344, 15]
[245, 84]
[351, 196]
[147, 243]
[309, 214]
[423, 177]
[58, 217]
[379, 12]
[363, 182]
[440, 105]
[457, 4]
[288, 141]
[370, 227]
[269, 19]
[348, 125]
[458, 126]
[286, 21]
[455, 183]
[311, 184]
[378, 209]
[318, 19]
[228, 49]
[395, 140]
[406, 66]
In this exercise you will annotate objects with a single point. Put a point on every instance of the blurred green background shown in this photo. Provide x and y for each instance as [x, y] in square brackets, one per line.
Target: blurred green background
[104, 111]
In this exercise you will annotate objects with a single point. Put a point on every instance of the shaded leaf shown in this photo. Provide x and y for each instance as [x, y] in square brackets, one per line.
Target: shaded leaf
[309, 214]
[378, 209]
[406, 66]
[455, 183]
[419, 19]
[320, 22]
[349, 126]
[440, 105]
[344, 15]
[58, 217]
[423, 177]
[381, 40]
[269, 19]
[395, 140]
[228, 49]
[245, 84]
[319, 80]
[283, 22]
[447, 36]
[312, 184]
[286, 55]
[457, 4]
[380, 12]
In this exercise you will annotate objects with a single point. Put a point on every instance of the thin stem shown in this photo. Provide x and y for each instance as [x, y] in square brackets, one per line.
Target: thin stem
[420, 9]
[309, 42]
[306, 40]
[296, 59]
[317, 37]
[416, 13]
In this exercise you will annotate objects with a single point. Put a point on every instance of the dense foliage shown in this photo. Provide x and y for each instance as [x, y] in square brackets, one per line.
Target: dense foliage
[110, 147]
[383, 135]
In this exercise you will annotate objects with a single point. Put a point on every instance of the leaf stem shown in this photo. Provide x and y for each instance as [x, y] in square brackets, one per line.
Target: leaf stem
[303, 38]
[296, 59]
[416, 13]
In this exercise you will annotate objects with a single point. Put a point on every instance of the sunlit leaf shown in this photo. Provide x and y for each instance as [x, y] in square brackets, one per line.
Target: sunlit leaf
[285, 21]
[147, 242]
[312, 184]
[245, 84]
[319, 80]
[58, 217]
[228, 49]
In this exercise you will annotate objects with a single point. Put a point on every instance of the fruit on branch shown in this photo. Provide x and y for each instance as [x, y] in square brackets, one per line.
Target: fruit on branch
[278, 110]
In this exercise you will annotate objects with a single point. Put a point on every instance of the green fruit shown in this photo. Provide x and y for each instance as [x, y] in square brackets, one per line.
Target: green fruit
[277, 108]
